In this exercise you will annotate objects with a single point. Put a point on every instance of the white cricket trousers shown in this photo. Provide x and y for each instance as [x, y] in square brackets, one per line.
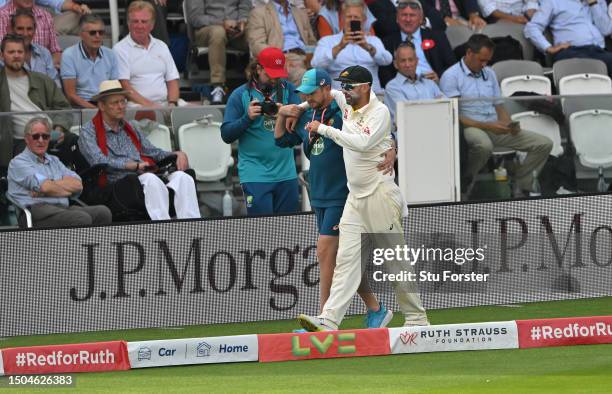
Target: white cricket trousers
[380, 213]
[157, 200]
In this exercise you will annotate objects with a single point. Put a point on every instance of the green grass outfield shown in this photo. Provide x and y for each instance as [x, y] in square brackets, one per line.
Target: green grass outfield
[582, 369]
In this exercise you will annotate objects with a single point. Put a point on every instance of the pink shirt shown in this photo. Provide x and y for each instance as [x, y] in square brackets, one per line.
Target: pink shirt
[45, 31]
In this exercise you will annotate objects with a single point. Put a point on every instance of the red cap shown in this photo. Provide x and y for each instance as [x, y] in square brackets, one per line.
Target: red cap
[273, 61]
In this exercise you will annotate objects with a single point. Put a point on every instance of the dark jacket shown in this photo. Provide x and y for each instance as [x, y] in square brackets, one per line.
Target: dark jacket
[386, 13]
[44, 93]
[466, 7]
[440, 57]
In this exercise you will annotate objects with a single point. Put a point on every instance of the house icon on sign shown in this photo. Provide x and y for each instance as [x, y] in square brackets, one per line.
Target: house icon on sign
[203, 349]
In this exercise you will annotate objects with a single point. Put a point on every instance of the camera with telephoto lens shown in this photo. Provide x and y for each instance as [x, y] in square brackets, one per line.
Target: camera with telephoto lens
[268, 106]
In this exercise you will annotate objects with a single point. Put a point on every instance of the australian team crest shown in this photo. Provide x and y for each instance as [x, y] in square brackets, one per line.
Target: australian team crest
[318, 147]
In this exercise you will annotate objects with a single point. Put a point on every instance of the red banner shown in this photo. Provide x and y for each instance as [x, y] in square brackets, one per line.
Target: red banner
[79, 357]
[565, 331]
[327, 344]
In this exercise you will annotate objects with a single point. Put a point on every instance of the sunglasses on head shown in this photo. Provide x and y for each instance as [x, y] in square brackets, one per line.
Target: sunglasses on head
[37, 136]
[351, 86]
[409, 4]
[95, 32]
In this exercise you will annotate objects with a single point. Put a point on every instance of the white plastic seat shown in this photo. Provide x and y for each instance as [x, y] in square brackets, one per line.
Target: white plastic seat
[526, 83]
[592, 138]
[161, 137]
[541, 124]
[209, 156]
[565, 67]
[75, 129]
[458, 35]
[585, 84]
[183, 115]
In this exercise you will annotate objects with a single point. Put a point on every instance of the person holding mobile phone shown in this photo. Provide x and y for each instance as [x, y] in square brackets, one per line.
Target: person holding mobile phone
[352, 46]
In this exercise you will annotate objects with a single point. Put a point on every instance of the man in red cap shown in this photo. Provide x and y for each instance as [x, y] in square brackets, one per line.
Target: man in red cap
[267, 172]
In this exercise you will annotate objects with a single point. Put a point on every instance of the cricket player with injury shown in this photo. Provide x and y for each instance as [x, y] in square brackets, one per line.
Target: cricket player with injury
[374, 204]
[328, 190]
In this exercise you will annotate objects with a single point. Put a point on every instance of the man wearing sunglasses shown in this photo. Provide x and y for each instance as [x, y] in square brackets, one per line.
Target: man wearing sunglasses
[86, 64]
[327, 176]
[40, 182]
[374, 204]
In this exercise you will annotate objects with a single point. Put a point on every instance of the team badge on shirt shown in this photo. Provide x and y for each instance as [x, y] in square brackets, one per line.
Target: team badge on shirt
[268, 123]
[366, 130]
[318, 147]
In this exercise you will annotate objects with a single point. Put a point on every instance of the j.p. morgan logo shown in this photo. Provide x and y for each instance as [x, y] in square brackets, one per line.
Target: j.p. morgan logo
[123, 269]
[157, 270]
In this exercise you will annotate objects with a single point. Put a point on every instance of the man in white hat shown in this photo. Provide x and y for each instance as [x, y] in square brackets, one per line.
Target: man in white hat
[109, 139]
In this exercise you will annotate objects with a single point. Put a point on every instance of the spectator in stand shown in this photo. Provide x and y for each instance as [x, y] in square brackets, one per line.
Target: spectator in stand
[219, 24]
[45, 31]
[66, 14]
[574, 31]
[25, 91]
[348, 48]
[330, 20]
[146, 67]
[486, 123]
[281, 25]
[86, 64]
[160, 27]
[513, 11]
[459, 12]
[37, 58]
[40, 182]
[432, 47]
[109, 139]
[408, 84]
[267, 172]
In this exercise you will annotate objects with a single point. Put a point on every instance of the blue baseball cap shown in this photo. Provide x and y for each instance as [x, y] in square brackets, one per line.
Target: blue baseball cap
[312, 80]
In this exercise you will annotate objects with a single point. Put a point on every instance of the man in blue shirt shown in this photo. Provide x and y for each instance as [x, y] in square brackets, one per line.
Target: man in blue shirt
[574, 32]
[267, 172]
[486, 123]
[328, 183]
[87, 64]
[40, 182]
[407, 84]
[37, 58]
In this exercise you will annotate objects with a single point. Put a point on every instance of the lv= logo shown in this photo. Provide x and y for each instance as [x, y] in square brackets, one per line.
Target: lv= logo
[323, 346]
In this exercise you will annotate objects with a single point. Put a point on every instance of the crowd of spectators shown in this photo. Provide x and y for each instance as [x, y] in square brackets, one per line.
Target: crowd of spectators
[402, 42]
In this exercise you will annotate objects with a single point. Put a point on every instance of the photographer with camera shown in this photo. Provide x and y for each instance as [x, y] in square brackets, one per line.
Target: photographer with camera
[352, 46]
[267, 172]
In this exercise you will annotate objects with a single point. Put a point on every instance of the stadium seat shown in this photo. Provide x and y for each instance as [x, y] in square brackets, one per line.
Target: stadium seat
[567, 67]
[591, 136]
[161, 137]
[513, 68]
[209, 156]
[541, 124]
[584, 84]
[183, 115]
[514, 30]
[526, 83]
[67, 41]
[458, 35]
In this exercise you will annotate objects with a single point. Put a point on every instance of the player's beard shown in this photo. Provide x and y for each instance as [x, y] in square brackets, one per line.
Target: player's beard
[351, 97]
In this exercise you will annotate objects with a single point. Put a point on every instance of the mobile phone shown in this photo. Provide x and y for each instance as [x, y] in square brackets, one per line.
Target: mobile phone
[355, 26]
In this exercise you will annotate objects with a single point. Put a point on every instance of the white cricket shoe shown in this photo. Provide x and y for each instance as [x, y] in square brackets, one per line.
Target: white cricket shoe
[316, 324]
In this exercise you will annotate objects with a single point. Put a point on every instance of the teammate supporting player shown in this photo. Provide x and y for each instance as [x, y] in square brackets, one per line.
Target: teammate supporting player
[327, 177]
[374, 203]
